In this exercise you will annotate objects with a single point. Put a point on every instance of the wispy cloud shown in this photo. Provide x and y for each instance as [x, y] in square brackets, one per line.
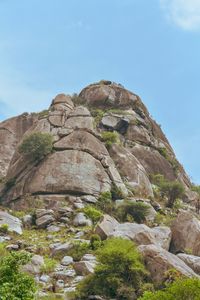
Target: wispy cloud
[183, 13]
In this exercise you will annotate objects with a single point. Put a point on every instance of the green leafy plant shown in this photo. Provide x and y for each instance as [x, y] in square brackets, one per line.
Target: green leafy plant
[170, 189]
[14, 284]
[4, 228]
[110, 138]
[132, 211]
[78, 250]
[181, 289]
[49, 265]
[36, 145]
[105, 202]
[92, 213]
[95, 241]
[119, 274]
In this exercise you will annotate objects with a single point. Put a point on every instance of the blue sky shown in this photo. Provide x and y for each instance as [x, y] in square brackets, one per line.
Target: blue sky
[151, 47]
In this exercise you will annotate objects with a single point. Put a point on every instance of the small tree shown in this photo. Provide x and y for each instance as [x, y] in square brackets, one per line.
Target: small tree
[119, 274]
[171, 189]
[36, 145]
[14, 284]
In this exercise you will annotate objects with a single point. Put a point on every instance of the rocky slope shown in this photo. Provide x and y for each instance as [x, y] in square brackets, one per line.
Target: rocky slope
[79, 150]
[84, 164]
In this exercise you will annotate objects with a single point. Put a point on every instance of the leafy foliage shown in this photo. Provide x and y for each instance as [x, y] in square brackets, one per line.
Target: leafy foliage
[105, 202]
[92, 213]
[119, 274]
[14, 284]
[171, 189]
[78, 250]
[36, 145]
[110, 138]
[181, 289]
[132, 211]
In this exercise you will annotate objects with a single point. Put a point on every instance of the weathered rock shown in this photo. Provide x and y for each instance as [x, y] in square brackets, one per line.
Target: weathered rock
[115, 122]
[192, 261]
[53, 228]
[81, 220]
[34, 267]
[106, 227]
[61, 249]
[158, 261]
[14, 224]
[186, 233]
[143, 235]
[84, 267]
[131, 170]
[67, 260]
[11, 132]
[44, 221]
[70, 171]
[27, 221]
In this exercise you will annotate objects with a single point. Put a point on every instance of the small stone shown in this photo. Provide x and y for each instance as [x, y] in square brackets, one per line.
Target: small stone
[81, 220]
[67, 260]
[12, 247]
[45, 278]
[53, 228]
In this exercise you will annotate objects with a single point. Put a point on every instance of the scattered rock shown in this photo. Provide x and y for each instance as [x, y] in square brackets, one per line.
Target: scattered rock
[14, 224]
[67, 260]
[106, 227]
[81, 220]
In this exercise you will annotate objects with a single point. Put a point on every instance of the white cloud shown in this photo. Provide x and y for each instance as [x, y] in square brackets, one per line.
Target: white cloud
[183, 13]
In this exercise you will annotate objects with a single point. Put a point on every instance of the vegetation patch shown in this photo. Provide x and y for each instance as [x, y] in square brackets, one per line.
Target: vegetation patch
[36, 145]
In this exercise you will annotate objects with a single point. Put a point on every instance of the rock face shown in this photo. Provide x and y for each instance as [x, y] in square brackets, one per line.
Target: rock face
[80, 163]
[186, 234]
[158, 261]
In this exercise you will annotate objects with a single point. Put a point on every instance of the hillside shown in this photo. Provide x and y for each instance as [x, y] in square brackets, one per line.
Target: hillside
[110, 172]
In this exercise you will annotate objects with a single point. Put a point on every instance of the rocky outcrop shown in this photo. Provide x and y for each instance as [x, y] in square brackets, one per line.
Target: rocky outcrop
[80, 163]
[186, 234]
[158, 261]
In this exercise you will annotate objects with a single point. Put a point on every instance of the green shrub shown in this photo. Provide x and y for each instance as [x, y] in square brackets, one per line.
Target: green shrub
[132, 211]
[4, 228]
[110, 138]
[36, 145]
[95, 241]
[97, 114]
[116, 192]
[43, 114]
[92, 213]
[49, 265]
[119, 274]
[105, 202]
[78, 250]
[171, 189]
[14, 284]
[182, 289]
[163, 152]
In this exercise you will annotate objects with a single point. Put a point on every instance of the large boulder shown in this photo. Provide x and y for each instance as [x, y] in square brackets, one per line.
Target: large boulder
[186, 233]
[69, 171]
[192, 261]
[14, 224]
[143, 235]
[106, 227]
[158, 261]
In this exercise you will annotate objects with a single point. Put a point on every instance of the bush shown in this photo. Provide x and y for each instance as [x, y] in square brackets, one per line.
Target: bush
[171, 189]
[15, 284]
[36, 145]
[92, 213]
[110, 138]
[116, 192]
[49, 265]
[182, 289]
[78, 250]
[105, 202]
[4, 228]
[95, 241]
[132, 211]
[119, 274]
